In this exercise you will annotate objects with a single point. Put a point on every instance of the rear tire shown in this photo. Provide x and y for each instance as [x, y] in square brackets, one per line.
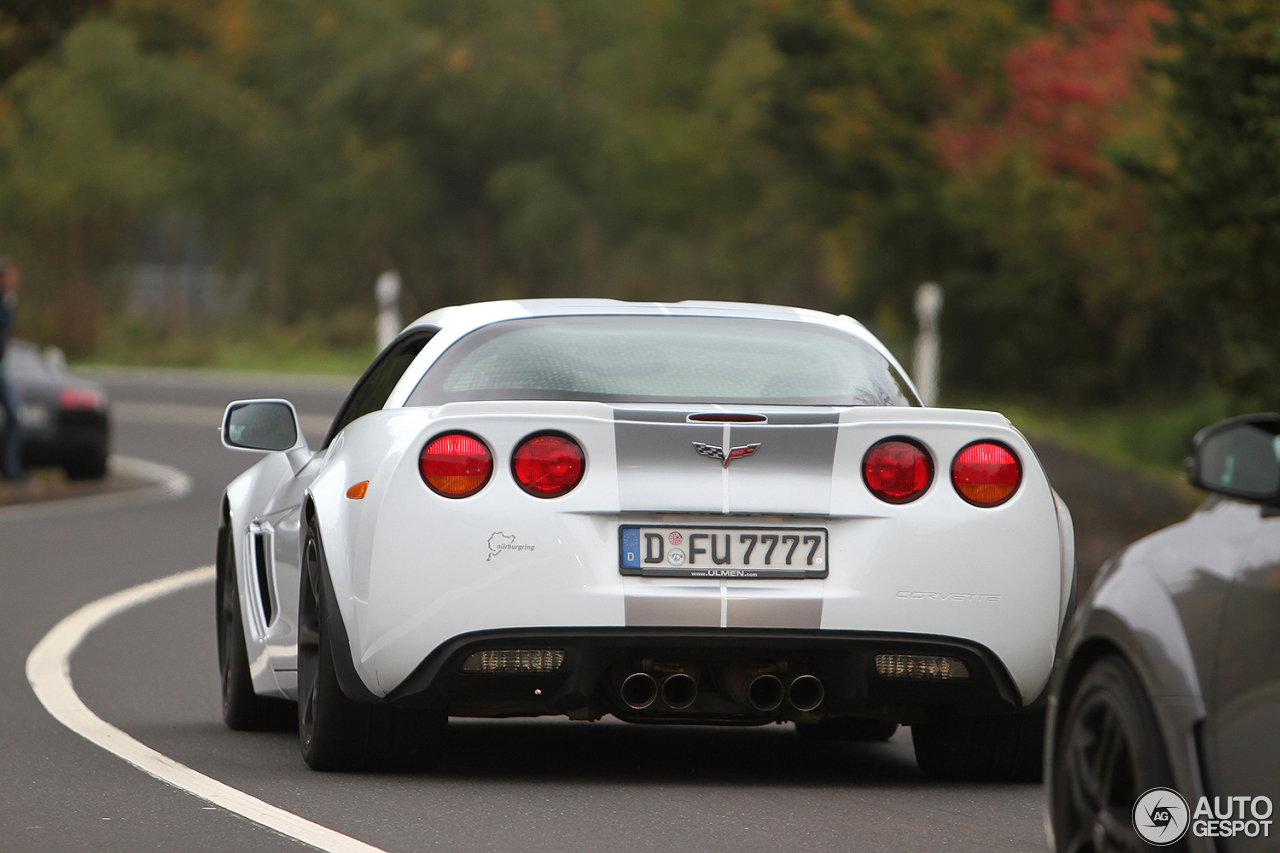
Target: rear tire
[242, 708]
[1109, 753]
[862, 729]
[335, 732]
[981, 749]
[87, 464]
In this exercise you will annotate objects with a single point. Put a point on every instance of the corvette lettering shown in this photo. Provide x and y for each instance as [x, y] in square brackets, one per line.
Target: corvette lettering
[948, 596]
[711, 451]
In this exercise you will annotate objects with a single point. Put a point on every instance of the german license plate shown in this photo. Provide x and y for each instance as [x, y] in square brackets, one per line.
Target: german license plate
[723, 552]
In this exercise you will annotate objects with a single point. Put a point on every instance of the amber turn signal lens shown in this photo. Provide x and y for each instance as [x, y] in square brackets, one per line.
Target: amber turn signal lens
[986, 474]
[357, 492]
[897, 470]
[455, 465]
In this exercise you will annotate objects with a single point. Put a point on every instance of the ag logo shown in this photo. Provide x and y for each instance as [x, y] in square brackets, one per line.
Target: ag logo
[1160, 816]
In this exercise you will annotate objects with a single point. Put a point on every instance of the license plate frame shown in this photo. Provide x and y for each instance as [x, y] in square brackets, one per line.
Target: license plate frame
[745, 557]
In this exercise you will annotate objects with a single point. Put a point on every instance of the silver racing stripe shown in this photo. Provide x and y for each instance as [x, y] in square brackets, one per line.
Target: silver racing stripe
[661, 471]
[749, 609]
[723, 606]
[691, 607]
[789, 473]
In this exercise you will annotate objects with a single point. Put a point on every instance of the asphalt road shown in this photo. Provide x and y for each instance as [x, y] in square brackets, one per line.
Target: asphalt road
[542, 785]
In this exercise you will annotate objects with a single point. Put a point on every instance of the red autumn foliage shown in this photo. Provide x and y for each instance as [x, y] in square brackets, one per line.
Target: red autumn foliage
[1067, 90]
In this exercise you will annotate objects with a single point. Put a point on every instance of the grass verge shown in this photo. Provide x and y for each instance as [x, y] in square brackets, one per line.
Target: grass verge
[335, 347]
[1154, 437]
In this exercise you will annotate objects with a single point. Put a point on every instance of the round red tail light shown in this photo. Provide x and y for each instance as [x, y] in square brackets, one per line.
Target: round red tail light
[455, 465]
[986, 473]
[897, 470]
[548, 465]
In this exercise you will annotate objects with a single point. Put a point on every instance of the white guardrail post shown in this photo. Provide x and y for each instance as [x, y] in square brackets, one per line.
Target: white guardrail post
[387, 292]
[928, 342]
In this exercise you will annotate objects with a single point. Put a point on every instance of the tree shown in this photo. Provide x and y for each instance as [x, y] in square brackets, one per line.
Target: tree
[30, 28]
[1223, 193]
[1073, 299]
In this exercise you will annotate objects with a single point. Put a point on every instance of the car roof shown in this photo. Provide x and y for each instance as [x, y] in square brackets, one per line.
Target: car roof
[454, 322]
[461, 319]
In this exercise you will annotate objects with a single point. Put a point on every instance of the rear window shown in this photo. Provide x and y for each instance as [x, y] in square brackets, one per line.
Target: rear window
[658, 359]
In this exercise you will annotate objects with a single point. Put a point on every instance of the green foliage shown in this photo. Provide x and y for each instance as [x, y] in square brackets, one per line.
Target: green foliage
[830, 153]
[28, 28]
[340, 345]
[1153, 436]
[1223, 196]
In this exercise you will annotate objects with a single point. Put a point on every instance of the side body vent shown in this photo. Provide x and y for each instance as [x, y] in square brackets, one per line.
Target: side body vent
[261, 561]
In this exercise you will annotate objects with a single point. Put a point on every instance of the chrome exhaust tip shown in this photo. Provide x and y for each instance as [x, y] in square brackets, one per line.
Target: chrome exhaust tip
[765, 692]
[639, 690]
[806, 692]
[679, 690]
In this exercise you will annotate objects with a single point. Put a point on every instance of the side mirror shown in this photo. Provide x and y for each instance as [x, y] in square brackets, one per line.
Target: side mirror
[1239, 458]
[270, 425]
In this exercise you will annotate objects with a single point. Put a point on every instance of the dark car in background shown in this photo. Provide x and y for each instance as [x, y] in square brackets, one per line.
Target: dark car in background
[1164, 715]
[64, 418]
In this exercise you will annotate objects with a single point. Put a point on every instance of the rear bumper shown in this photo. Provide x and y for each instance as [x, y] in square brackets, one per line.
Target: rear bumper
[721, 661]
[66, 440]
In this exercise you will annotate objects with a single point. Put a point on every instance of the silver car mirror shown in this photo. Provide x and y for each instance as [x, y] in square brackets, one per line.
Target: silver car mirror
[1239, 458]
[270, 425]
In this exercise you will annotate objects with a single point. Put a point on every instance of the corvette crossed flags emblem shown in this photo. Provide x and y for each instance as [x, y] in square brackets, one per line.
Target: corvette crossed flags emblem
[714, 452]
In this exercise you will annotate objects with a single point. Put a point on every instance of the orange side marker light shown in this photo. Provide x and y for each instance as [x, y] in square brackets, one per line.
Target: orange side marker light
[357, 491]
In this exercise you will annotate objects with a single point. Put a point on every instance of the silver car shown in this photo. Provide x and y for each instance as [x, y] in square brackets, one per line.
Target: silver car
[1164, 712]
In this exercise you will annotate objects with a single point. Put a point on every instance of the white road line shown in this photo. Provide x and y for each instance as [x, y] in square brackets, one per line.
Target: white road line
[170, 484]
[49, 672]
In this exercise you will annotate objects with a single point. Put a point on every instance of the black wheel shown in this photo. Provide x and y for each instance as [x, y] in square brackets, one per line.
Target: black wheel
[994, 748]
[847, 728]
[242, 709]
[337, 733]
[89, 463]
[1109, 753]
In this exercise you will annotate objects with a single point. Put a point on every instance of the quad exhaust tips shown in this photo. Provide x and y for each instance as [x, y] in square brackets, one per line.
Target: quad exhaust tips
[765, 692]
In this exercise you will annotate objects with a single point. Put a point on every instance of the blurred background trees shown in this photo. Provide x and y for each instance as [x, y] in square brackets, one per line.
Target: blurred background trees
[1093, 182]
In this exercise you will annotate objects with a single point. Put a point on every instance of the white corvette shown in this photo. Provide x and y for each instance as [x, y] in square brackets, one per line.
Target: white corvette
[696, 512]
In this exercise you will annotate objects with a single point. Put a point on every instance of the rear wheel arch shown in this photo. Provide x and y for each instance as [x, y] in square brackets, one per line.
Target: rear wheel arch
[318, 581]
[1089, 652]
[1108, 748]
[341, 725]
[1105, 631]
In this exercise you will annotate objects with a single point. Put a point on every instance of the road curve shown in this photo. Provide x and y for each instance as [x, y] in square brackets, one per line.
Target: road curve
[150, 672]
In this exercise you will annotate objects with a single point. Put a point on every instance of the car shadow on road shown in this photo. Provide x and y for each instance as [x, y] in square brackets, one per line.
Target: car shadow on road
[609, 751]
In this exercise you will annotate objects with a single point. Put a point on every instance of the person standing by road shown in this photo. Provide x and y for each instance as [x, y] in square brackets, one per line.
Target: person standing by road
[10, 434]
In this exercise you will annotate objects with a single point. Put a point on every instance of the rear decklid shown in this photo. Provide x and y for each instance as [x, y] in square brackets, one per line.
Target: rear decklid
[712, 460]
[779, 460]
